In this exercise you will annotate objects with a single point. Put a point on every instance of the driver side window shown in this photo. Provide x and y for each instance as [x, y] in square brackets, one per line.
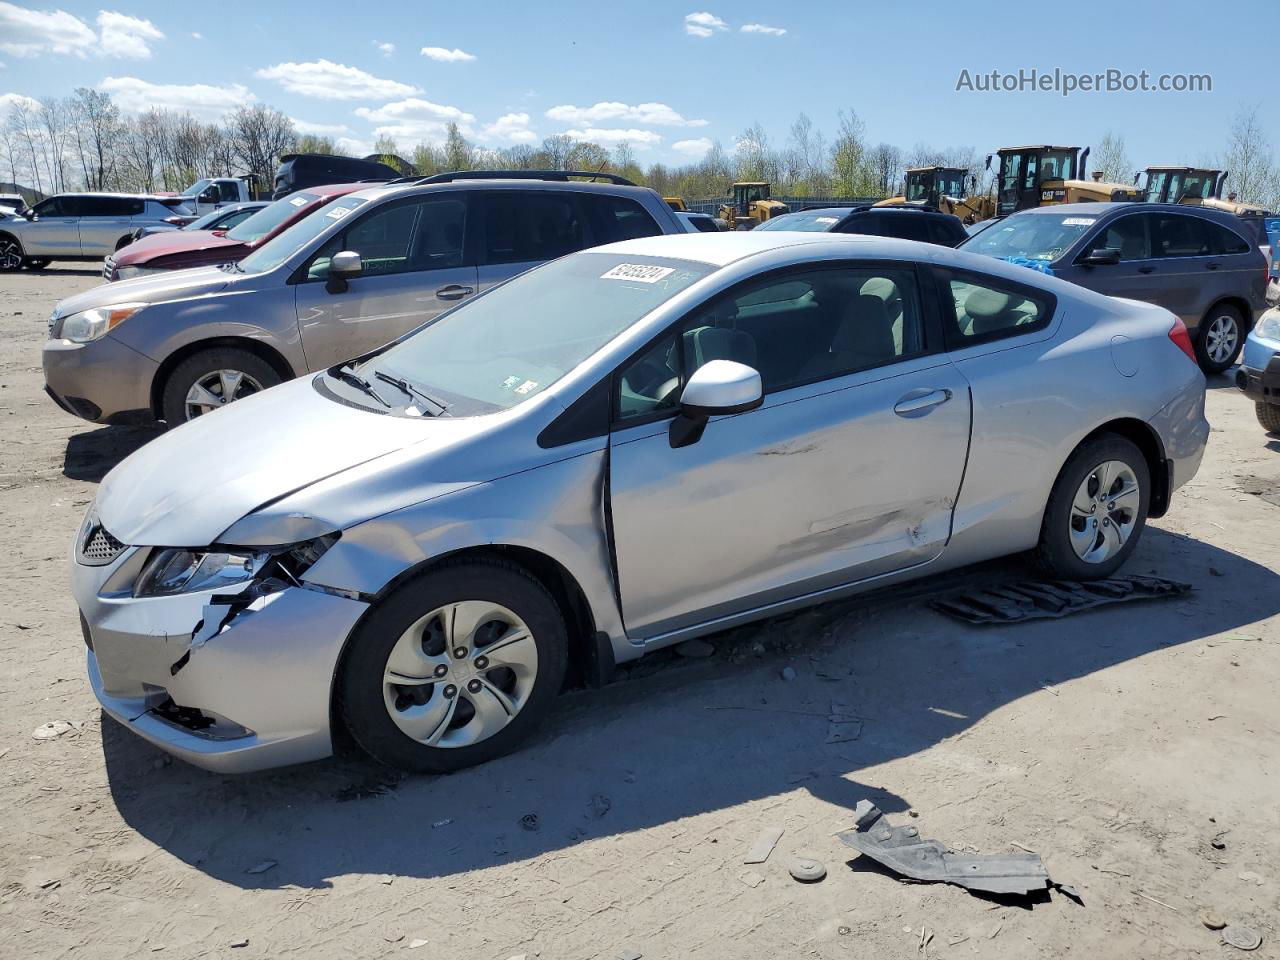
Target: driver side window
[401, 238]
[1129, 235]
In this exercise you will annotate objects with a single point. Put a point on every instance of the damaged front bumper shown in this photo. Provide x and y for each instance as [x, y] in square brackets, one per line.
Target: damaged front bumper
[230, 688]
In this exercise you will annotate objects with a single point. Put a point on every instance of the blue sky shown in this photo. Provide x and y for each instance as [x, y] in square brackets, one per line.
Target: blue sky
[666, 81]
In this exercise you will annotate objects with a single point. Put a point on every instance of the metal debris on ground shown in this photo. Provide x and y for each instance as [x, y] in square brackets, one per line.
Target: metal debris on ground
[842, 725]
[630, 955]
[1041, 599]
[52, 730]
[765, 842]
[806, 869]
[902, 850]
[1241, 937]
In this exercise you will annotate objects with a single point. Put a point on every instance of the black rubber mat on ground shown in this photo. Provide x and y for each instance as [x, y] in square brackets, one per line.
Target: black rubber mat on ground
[1022, 600]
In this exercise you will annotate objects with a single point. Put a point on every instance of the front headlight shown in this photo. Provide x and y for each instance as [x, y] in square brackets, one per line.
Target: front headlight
[128, 273]
[176, 571]
[1269, 326]
[91, 324]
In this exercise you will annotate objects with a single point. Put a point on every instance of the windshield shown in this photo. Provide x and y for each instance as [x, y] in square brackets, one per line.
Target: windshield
[208, 218]
[502, 348]
[951, 183]
[1155, 186]
[810, 221]
[1193, 185]
[918, 186]
[1035, 236]
[1058, 165]
[195, 189]
[270, 217]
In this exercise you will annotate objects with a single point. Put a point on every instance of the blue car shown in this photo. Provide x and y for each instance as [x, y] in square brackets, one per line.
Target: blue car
[1259, 373]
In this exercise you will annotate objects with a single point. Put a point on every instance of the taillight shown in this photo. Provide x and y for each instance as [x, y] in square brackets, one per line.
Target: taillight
[1182, 339]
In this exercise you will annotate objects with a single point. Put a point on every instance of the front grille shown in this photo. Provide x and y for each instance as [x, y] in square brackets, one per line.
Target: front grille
[107, 266]
[99, 547]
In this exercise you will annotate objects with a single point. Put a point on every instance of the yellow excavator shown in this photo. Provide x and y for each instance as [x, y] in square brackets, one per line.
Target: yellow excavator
[1194, 186]
[949, 189]
[751, 206]
[1042, 176]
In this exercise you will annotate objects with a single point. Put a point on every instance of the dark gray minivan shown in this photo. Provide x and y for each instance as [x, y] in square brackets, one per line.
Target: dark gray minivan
[1194, 262]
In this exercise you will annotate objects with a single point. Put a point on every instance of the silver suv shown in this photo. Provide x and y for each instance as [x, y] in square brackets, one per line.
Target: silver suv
[81, 226]
[354, 275]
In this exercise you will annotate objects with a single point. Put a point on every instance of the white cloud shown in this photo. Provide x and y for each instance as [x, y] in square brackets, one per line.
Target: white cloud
[692, 148]
[201, 100]
[761, 28]
[642, 138]
[29, 33]
[357, 148]
[197, 36]
[415, 119]
[126, 37]
[445, 55]
[609, 111]
[703, 24]
[8, 100]
[326, 80]
[386, 49]
[510, 128]
[319, 129]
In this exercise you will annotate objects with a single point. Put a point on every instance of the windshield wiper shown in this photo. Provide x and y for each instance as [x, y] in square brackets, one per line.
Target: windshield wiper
[407, 388]
[353, 378]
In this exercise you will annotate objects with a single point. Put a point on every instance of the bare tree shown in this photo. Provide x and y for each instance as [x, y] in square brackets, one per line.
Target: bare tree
[1112, 159]
[257, 136]
[848, 156]
[1254, 175]
[884, 162]
[458, 153]
[97, 133]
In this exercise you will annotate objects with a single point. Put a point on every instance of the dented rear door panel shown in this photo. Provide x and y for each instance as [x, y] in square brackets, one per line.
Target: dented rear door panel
[823, 485]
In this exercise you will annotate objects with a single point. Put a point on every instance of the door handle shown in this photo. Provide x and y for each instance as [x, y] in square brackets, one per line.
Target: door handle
[1212, 266]
[915, 402]
[454, 291]
[1146, 269]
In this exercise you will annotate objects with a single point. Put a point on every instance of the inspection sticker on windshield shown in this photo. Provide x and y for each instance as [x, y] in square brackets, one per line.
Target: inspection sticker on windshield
[825, 219]
[639, 272]
[337, 213]
[1079, 221]
[298, 201]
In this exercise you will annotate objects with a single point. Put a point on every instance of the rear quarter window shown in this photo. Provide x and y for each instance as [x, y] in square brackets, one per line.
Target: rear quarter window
[979, 309]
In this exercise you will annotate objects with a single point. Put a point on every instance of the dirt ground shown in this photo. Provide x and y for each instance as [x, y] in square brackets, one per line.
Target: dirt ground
[1121, 744]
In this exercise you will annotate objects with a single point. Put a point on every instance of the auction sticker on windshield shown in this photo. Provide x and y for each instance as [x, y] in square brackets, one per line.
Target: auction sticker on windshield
[639, 272]
[298, 201]
[1079, 221]
[825, 219]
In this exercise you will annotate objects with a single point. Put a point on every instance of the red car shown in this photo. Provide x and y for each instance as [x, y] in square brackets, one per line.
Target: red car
[180, 249]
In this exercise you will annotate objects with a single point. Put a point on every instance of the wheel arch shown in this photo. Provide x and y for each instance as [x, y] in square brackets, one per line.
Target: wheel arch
[1145, 438]
[6, 235]
[263, 351]
[1238, 303]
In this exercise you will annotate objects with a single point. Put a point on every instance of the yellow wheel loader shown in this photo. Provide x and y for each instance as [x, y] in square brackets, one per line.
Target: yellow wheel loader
[751, 206]
[949, 189]
[1042, 176]
[1194, 186]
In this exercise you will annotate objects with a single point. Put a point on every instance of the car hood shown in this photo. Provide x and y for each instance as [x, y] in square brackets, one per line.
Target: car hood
[188, 486]
[160, 288]
[170, 242]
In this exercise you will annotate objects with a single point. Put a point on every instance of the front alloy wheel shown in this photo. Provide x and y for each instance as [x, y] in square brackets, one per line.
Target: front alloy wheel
[216, 389]
[10, 255]
[454, 667]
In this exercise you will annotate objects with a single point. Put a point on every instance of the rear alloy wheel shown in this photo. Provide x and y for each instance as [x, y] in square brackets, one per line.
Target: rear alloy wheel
[454, 668]
[1219, 339]
[10, 254]
[1096, 511]
[210, 380]
[1268, 416]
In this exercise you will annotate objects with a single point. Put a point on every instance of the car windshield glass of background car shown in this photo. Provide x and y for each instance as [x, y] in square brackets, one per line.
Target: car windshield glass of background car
[515, 341]
[816, 222]
[282, 246]
[268, 218]
[1036, 236]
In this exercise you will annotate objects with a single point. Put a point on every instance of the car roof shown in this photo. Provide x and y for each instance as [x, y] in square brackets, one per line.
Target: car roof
[1103, 209]
[724, 247]
[118, 194]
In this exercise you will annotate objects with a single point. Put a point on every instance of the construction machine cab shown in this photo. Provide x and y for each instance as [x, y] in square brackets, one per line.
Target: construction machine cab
[928, 185]
[1041, 176]
[751, 206]
[1194, 186]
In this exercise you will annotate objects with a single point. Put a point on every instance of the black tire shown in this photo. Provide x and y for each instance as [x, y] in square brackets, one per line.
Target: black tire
[360, 687]
[1222, 313]
[173, 398]
[1268, 416]
[1054, 554]
[10, 253]
[36, 263]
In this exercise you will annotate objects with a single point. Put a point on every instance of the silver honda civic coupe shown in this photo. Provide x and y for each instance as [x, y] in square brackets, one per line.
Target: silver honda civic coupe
[622, 449]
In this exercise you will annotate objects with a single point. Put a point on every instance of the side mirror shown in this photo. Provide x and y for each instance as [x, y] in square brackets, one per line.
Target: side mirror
[717, 388]
[209, 196]
[343, 267]
[1106, 257]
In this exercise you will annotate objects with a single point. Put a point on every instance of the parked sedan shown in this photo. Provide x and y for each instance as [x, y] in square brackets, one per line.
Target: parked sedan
[182, 249]
[1202, 264]
[224, 218]
[1259, 373]
[624, 448]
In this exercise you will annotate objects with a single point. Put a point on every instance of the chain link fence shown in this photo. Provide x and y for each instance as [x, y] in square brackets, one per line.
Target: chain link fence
[712, 205]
